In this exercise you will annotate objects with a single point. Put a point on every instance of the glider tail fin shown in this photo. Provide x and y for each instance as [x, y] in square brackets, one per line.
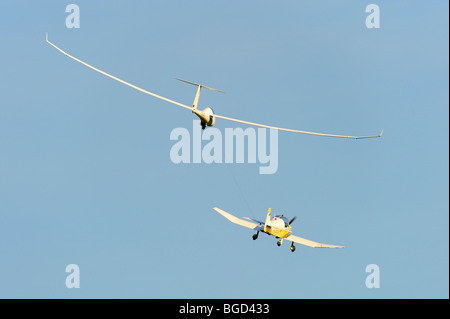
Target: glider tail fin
[197, 96]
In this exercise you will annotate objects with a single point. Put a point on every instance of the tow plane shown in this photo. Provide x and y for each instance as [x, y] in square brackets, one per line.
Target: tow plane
[278, 226]
[207, 115]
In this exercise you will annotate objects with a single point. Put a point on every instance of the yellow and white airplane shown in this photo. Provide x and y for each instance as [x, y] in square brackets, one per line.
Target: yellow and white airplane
[207, 115]
[278, 226]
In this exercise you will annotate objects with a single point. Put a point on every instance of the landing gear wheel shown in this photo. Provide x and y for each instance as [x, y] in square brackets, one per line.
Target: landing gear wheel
[280, 242]
[203, 124]
[255, 236]
[292, 247]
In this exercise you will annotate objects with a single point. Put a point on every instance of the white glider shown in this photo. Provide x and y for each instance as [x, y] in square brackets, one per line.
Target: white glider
[207, 116]
[278, 226]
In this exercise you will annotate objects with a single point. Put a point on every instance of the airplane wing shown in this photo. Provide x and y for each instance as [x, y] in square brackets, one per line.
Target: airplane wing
[190, 108]
[236, 220]
[255, 220]
[310, 243]
[295, 131]
[117, 79]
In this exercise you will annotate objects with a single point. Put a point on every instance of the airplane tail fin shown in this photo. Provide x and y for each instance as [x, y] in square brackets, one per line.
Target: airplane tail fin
[266, 224]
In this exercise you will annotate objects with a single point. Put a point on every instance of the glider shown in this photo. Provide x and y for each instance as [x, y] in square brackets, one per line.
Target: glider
[207, 115]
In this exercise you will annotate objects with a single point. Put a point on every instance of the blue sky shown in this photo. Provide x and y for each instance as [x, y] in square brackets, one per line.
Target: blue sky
[86, 177]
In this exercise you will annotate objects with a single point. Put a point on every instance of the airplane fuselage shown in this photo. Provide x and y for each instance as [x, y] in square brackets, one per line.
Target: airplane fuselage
[279, 233]
[278, 227]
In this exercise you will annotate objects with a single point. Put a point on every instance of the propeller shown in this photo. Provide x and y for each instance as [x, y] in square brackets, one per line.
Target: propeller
[294, 218]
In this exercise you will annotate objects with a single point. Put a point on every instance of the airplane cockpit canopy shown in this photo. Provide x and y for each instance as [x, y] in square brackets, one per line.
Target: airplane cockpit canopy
[284, 219]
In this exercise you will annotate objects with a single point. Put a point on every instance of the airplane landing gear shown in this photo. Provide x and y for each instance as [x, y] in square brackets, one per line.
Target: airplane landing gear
[280, 242]
[292, 247]
[255, 236]
[203, 124]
